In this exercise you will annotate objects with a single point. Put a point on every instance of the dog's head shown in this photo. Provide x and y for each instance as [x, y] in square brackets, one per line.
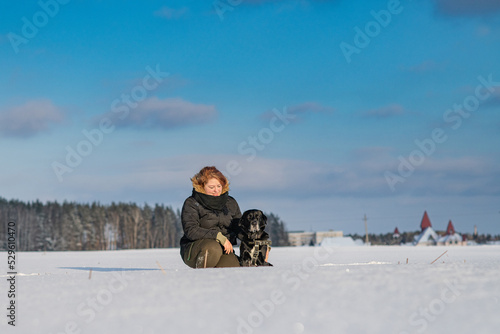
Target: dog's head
[253, 222]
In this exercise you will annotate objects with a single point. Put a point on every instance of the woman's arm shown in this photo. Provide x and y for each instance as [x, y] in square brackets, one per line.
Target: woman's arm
[190, 219]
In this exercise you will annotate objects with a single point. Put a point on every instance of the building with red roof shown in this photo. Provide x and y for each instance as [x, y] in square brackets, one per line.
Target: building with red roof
[451, 237]
[450, 230]
[428, 237]
[426, 222]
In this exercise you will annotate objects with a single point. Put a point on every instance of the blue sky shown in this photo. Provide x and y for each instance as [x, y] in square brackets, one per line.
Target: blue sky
[317, 111]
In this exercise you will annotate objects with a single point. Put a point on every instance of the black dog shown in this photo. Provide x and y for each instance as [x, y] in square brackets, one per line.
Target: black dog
[255, 241]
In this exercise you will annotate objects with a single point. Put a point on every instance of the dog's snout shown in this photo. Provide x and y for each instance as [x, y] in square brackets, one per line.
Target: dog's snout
[254, 226]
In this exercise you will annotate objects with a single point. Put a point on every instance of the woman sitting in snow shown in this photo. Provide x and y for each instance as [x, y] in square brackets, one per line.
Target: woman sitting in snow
[206, 219]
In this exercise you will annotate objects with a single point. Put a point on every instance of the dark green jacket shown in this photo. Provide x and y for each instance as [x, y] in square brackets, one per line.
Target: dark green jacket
[201, 222]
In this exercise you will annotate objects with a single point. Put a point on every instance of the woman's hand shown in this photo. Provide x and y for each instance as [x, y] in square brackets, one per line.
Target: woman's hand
[228, 247]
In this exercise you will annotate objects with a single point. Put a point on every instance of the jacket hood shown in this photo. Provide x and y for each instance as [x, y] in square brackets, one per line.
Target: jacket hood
[199, 188]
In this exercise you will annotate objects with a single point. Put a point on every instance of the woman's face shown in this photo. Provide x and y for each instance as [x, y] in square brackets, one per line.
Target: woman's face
[213, 187]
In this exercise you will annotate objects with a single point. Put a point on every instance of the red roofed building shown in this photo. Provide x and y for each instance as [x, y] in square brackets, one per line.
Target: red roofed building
[396, 233]
[426, 222]
[450, 230]
[428, 236]
[451, 237]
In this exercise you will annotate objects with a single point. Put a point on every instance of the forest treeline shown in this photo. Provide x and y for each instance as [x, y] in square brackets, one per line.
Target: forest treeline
[71, 226]
[408, 237]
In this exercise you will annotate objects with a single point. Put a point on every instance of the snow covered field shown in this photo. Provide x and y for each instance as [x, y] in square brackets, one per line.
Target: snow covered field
[309, 290]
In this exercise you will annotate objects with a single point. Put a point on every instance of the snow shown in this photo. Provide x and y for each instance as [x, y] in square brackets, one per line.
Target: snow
[427, 237]
[341, 241]
[309, 290]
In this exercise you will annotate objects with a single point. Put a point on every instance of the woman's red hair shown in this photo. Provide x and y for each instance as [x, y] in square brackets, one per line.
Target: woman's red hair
[206, 173]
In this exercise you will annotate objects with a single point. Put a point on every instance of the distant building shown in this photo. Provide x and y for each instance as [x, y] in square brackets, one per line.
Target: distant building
[302, 238]
[450, 229]
[396, 233]
[426, 222]
[329, 234]
[428, 237]
[451, 237]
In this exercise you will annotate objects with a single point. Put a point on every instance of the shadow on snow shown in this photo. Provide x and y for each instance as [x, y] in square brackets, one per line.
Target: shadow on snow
[106, 269]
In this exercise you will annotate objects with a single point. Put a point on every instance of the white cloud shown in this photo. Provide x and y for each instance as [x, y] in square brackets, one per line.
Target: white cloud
[461, 176]
[260, 2]
[425, 66]
[165, 114]
[305, 194]
[467, 7]
[385, 112]
[311, 106]
[362, 176]
[483, 31]
[300, 110]
[171, 13]
[29, 119]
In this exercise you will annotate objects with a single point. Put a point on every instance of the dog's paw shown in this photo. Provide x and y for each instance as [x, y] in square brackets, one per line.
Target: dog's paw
[245, 264]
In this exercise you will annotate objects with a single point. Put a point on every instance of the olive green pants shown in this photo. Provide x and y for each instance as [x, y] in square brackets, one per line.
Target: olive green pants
[208, 253]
